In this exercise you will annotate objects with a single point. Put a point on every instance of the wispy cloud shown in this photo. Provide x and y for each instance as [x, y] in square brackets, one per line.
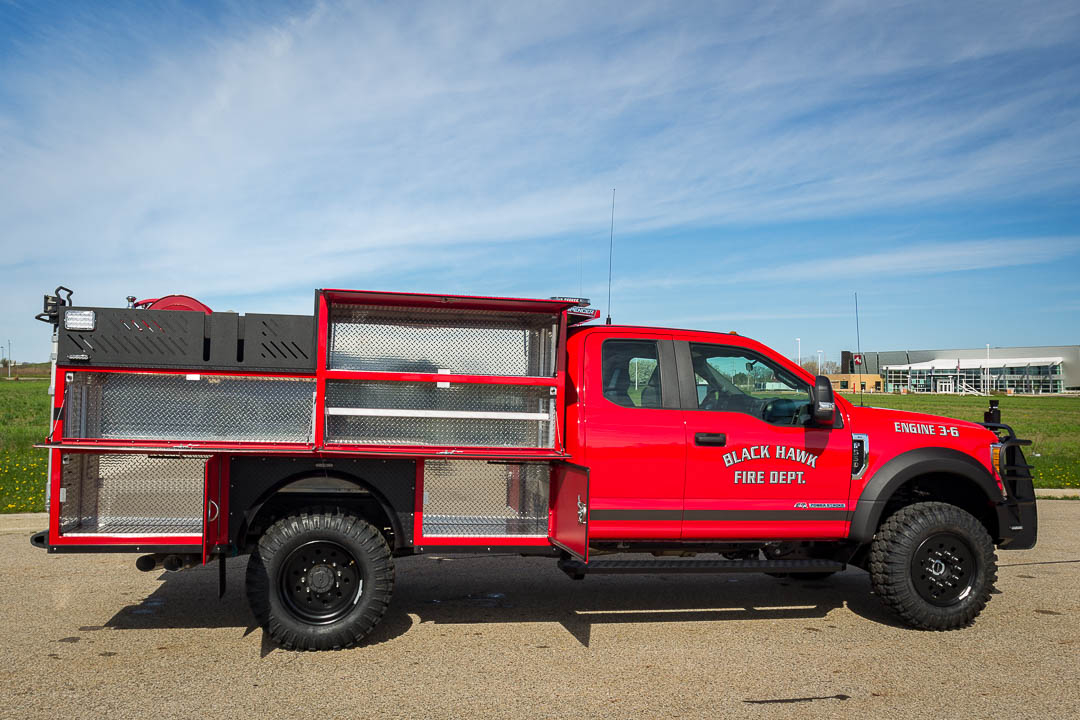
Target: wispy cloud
[427, 145]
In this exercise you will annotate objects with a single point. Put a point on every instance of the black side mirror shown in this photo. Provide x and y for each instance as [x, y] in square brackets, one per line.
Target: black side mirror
[823, 406]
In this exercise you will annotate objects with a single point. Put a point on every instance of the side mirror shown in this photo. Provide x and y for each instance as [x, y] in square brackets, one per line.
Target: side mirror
[823, 406]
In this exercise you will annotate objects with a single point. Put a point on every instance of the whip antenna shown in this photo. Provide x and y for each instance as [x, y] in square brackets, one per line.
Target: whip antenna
[858, 348]
[610, 252]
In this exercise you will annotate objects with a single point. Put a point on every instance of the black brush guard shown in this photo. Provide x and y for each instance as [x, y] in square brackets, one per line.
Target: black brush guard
[1018, 518]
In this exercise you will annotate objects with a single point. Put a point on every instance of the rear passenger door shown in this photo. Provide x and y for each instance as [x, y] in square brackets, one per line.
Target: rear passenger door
[635, 444]
[755, 468]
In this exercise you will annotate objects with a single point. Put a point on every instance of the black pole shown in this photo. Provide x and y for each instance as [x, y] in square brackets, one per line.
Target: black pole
[610, 252]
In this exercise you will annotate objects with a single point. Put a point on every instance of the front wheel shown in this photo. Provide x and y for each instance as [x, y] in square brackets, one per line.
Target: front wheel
[320, 580]
[933, 565]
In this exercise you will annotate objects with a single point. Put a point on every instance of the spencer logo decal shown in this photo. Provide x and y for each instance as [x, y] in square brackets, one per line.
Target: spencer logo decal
[770, 452]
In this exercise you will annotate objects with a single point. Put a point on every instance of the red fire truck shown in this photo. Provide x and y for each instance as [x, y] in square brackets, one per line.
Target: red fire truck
[390, 424]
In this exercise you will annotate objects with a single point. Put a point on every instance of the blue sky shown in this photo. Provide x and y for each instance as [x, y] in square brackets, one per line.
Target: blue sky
[770, 161]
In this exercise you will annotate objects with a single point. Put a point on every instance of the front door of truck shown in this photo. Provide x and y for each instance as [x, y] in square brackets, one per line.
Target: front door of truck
[635, 444]
[755, 468]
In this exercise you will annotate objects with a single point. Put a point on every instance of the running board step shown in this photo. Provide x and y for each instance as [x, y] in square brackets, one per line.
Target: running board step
[577, 569]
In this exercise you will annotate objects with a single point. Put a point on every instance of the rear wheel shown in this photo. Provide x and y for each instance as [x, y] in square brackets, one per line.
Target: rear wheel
[320, 580]
[933, 565]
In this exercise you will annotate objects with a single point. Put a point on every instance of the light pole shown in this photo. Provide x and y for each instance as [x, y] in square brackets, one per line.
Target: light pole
[820, 353]
[986, 382]
[798, 351]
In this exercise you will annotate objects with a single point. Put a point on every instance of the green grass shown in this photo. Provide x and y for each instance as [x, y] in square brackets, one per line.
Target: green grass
[24, 420]
[1053, 423]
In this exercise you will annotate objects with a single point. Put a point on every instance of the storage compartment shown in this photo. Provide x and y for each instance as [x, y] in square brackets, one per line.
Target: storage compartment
[422, 413]
[131, 494]
[120, 337]
[461, 341]
[473, 498]
[149, 406]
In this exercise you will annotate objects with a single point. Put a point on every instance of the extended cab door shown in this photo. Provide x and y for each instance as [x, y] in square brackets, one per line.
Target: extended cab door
[634, 438]
[755, 469]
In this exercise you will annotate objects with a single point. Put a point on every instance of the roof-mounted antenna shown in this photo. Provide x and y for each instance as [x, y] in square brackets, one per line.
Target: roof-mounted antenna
[610, 253]
[858, 349]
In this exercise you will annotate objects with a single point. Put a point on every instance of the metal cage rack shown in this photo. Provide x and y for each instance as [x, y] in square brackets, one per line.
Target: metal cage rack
[473, 498]
[441, 372]
[176, 407]
[131, 494]
[432, 340]
[459, 414]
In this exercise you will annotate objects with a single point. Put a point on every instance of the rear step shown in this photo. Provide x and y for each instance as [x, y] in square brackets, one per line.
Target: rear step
[577, 569]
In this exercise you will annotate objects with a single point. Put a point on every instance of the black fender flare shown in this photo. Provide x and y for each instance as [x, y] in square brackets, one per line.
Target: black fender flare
[905, 466]
[252, 511]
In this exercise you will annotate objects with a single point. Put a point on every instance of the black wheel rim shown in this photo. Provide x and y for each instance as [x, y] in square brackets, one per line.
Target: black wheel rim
[320, 582]
[943, 569]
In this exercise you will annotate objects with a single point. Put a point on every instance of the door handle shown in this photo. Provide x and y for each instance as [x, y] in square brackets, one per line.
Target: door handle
[713, 439]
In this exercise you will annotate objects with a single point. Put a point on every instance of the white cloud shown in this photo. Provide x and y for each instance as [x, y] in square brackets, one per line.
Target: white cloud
[391, 143]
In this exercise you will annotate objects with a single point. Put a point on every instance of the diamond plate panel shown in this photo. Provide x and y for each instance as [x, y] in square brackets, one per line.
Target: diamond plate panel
[424, 398]
[468, 342]
[473, 498]
[131, 493]
[141, 406]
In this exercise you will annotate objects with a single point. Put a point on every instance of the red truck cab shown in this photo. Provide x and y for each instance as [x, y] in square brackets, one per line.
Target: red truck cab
[392, 424]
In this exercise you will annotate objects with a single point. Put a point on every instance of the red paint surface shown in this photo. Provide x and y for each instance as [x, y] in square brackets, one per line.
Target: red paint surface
[637, 459]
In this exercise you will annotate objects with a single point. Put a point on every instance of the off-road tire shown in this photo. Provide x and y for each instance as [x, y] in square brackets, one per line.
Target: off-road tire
[904, 577]
[360, 552]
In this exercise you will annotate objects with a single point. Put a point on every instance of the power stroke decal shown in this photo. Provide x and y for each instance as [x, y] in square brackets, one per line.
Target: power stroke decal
[770, 452]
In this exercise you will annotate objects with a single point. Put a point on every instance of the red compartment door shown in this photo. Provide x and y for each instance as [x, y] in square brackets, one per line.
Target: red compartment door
[570, 509]
[215, 525]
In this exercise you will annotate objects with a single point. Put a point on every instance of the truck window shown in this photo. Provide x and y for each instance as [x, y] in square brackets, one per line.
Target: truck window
[631, 373]
[733, 380]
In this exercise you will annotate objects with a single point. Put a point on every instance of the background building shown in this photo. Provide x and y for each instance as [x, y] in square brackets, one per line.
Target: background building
[1026, 370]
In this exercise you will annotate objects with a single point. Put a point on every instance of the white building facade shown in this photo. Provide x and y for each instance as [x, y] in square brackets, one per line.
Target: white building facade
[1027, 371]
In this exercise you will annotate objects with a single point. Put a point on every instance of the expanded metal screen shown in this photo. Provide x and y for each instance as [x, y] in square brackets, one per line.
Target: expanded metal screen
[473, 498]
[143, 406]
[468, 342]
[463, 414]
[131, 494]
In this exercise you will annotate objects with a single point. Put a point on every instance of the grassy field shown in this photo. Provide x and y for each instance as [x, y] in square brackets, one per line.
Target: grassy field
[1053, 423]
[24, 420]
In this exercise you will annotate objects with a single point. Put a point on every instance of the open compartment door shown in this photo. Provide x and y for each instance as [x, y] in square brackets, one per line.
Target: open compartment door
[214, 521]
[570, 509]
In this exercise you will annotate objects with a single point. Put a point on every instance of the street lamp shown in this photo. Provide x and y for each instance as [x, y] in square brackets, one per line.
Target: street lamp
[798, 351]
[820, 353]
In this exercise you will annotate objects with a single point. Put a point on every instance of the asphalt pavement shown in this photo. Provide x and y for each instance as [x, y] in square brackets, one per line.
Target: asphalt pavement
[510, 637]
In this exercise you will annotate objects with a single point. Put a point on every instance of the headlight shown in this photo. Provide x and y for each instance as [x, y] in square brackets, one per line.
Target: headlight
[79, 319]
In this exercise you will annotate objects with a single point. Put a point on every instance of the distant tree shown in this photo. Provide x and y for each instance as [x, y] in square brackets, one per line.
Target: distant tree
[829, 367]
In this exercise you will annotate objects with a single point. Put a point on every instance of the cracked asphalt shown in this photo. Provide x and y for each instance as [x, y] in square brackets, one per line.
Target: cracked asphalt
[509, 637]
